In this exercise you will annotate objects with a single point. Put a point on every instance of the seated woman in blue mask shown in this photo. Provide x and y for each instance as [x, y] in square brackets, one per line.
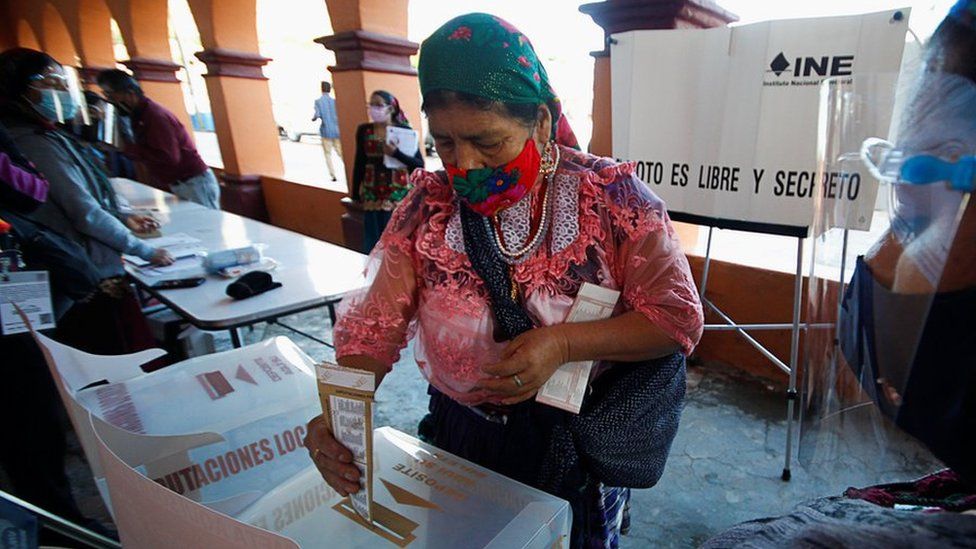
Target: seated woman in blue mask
[905, 355]
[81, 204]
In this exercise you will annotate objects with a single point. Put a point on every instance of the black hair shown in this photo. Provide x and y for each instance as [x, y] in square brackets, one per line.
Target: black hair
[118, 81]
[527, 114]
[952, 48]
[326, 87]
[18, 67]
[92, 98]
[397, 116]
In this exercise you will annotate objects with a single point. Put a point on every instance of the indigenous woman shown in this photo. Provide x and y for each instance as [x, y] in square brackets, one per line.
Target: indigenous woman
[482, 262]
[375, 185]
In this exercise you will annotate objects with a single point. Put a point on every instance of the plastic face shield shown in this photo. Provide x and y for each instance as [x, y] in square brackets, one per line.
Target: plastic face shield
[885, 356]
[62, 90]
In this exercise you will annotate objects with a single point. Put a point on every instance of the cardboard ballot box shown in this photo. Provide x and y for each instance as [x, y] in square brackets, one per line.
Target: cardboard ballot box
[233, 423]
[423, 497]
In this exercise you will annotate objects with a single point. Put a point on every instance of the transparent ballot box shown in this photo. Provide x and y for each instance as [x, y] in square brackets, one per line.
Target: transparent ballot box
[422, 497]
[222, 429]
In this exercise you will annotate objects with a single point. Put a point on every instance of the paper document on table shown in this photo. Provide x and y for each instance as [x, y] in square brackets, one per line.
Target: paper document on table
[181, 265]
[405, 139]
[179, 245]
[347, 401]
[567, 386]
[29, 291]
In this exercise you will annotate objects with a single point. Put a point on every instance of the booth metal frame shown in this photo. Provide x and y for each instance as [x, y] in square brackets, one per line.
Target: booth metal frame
[729, 324]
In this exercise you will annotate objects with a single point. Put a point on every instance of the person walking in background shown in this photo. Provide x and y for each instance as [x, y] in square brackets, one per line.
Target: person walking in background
[325, 111]
[374, 185]
[161, 142]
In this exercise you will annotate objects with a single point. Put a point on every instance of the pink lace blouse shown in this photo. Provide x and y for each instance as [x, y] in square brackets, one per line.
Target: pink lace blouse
[607, 228]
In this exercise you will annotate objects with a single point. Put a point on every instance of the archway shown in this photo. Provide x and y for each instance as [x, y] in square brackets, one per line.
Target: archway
[26, 37]
[55, 37]
[288, 39]
[95, 34]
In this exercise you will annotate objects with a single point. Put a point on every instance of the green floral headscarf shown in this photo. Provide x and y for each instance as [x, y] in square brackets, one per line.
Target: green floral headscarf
[484, 55]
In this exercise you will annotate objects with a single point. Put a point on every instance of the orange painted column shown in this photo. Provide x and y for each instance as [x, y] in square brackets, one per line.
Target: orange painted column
[145, 31]
[372, 53]
[240, 100]
[24, 18]
[89, 22]
[8, 27]
[55, 38]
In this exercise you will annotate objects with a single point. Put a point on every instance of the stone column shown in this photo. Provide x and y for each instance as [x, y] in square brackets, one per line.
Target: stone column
[90, 23]
[372, 53]
[55, 37]
[626, 15]
[240, 100]
[144, 28]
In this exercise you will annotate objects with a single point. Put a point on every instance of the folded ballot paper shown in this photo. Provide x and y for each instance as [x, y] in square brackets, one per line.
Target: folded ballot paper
[347, 402]
[567, 386]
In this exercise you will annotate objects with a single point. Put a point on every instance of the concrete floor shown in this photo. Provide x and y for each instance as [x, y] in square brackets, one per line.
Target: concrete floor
[725, 462]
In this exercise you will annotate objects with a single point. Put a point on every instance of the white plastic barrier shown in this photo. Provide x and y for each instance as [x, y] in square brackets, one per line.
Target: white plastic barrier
[256, 399]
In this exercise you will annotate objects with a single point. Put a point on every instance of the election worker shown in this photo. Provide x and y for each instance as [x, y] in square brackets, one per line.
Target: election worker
[903, 357]
[81, 204]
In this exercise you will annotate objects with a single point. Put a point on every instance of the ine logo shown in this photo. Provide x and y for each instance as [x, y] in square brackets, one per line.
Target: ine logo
[838, 65]
[779, 64]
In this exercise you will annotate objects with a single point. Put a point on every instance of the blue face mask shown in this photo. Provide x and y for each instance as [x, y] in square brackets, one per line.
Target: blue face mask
[48, 105]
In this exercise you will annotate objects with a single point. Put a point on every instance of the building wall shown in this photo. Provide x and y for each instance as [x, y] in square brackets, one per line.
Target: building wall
[305, 209]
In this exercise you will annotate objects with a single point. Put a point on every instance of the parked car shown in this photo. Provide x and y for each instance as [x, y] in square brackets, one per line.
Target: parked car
[294, 131]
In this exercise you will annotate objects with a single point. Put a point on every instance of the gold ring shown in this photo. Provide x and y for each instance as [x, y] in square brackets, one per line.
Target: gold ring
[518, 382]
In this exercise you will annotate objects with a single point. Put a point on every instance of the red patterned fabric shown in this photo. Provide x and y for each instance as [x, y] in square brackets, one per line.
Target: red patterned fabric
[423, 286]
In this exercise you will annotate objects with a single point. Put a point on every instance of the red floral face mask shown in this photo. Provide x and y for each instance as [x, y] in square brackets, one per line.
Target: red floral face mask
[488, 190]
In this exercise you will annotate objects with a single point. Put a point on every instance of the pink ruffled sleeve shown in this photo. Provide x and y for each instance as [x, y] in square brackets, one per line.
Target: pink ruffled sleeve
[375, 321]
[656, 278]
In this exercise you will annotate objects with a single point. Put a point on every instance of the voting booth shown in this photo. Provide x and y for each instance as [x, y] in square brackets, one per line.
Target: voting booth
[726, 129]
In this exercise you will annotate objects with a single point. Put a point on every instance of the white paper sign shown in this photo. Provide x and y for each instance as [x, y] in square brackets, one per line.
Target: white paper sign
[31, 291]
[724, 125]
[404, 139]
[567, 386]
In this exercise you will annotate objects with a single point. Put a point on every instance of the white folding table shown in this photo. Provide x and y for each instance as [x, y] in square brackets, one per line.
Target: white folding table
[313, 273]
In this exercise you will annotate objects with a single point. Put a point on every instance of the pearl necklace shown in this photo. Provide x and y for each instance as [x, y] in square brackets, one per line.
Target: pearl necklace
[539, 233]
[520, 255]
